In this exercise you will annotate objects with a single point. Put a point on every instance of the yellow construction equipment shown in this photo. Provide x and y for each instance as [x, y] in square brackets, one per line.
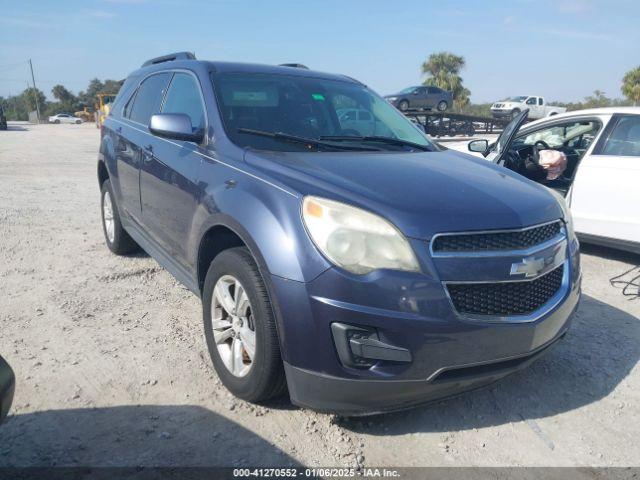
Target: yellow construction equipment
[85, 114]
[103, 106]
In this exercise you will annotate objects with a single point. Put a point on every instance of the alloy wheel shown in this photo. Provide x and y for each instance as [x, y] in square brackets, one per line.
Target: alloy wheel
[107, 215]
[233, 326]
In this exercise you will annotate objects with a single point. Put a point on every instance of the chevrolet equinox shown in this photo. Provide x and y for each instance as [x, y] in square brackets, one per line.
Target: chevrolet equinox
[360, 266]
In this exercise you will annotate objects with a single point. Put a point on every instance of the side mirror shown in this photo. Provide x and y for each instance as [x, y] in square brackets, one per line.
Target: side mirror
[415, 92]
[176, 126]
[478, 146]
[7, 386]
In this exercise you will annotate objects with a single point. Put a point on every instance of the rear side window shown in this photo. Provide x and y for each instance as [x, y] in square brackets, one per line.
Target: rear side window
[183, 96]
[539, 101]
[149, 97]
[624, 139]
[124, 93]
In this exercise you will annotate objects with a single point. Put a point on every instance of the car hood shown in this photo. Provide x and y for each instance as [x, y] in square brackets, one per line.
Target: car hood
[421, 193]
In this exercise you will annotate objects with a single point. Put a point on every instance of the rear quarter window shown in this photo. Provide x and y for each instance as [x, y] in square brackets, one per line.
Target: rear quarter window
[124, 94]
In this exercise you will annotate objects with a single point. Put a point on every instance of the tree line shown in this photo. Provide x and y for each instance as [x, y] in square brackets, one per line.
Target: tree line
[443, 71]
[17, 107]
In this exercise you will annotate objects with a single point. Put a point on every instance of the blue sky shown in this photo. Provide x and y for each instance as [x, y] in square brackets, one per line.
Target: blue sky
[561, 49]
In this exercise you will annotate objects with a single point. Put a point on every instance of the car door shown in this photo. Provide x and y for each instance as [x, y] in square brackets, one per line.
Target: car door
[606, 193]
[496, 152]
[434, 95]
[419, 98]
[169, 174]
[132, 135]
[534, 109]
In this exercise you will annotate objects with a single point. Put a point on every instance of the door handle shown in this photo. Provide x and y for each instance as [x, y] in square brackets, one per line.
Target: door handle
[149, 148]
[119, 129]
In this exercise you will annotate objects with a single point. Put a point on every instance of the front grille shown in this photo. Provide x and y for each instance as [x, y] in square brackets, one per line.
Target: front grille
[506, 298]
[496, 241]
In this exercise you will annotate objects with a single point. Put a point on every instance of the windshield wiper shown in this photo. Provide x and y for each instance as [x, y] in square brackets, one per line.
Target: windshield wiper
[387, 140]
[285, 137]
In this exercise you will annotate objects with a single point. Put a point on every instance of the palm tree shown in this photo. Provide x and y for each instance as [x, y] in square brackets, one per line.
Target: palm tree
[631, 85]
[443, 70]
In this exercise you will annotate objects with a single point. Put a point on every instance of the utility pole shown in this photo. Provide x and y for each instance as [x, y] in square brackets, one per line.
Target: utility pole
[35, 91]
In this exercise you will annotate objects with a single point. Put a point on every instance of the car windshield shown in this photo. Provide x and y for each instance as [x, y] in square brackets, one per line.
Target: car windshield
[519, 99]
[407, 90]
[256, 106]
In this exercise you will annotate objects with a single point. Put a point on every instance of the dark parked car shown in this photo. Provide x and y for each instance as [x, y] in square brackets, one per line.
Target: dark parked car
[421, 98]
[3, 119]
[366, 272]
[7, 386]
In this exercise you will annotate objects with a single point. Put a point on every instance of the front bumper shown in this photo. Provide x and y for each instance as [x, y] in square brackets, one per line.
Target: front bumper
[330, 394]
[448, 354]
[496, 113]
[351, 396]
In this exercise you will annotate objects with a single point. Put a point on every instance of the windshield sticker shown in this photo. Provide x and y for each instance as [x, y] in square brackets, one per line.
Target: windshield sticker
[318, 96]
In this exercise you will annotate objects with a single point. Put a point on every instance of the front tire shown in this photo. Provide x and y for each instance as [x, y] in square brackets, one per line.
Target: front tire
[403, 106]
[56, 121]
[442, 106]
[514, 113]
[115, 236]
[240, 327]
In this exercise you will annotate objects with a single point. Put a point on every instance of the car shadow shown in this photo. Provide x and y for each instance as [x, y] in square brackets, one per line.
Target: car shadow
[138, 254]
[599, 351]
[16, 128]
[126, 436]
[610, 253]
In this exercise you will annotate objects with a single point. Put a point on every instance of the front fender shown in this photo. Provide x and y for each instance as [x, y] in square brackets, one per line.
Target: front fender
[268, 221]
[107, 155]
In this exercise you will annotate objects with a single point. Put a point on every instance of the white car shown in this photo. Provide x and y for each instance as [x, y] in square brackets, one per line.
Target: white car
[536, 105]
[602, 180]
[64, 118]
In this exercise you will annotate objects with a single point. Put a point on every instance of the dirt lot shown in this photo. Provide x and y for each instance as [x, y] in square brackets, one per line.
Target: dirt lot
[112, 366]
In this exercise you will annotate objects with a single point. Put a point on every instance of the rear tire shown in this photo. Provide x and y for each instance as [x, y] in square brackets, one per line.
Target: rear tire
[116, 237]
[259, 377]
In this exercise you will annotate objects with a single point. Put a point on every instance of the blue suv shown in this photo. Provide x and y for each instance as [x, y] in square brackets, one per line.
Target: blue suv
[362, 267]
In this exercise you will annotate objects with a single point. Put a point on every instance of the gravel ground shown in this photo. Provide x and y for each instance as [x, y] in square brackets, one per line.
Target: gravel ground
[112, 365]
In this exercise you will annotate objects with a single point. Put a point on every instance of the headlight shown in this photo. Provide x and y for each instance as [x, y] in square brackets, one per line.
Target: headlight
[392, 99]
[354, 239]
[566, 214]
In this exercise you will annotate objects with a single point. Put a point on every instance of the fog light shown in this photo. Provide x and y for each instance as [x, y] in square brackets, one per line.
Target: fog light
[360, 347]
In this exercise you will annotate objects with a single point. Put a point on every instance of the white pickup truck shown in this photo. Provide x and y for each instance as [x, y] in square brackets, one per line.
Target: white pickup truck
[512, 106]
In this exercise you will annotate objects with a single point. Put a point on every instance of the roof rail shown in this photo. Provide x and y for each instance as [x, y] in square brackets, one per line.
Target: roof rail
[294, 65]
[170, 57]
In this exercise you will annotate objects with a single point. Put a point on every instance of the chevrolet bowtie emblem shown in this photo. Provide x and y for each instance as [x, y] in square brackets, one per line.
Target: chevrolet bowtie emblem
[529, 267]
